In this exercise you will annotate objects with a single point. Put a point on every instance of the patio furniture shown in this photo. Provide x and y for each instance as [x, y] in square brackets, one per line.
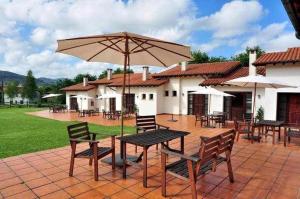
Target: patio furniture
[146, 140]
[190, 167]
[291, 130]
[244, 128]
[202, 119]
[147, 123]
[219, 118]
[270, 128]
[80, 133]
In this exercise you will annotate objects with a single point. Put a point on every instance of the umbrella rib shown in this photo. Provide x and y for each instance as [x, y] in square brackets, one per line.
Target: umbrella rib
[141, 50]
[110, 46]
[120, 50]
[167, 49]
[89, 59]
[132, 50]
[149, 53]
[157, 40]
[79, 46]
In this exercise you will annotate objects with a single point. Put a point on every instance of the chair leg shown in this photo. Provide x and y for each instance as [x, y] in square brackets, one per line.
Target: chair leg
[95, 148]
[73, 146]
[163, 176]
[135, 149]
[238, 137]
[229, 167]
[156, 146]
[113, 159]
[91, 161]
[192, 179]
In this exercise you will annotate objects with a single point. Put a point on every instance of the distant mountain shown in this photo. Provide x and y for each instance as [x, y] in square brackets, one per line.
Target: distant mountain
[10, 76]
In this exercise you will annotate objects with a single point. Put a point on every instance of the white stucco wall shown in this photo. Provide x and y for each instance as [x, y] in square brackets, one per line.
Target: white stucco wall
[84, 103]
[287, 73]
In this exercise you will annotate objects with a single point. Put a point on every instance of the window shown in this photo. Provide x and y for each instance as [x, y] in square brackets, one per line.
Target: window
[174, 93]
[92, 103]
[166, 93]
[150, 96]
[143, 96]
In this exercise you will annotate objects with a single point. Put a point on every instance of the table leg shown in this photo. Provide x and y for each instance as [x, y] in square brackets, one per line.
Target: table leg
[284, 136]
[273, 130]
[123, 145]
[182, 144]
[279, 128]
[145, 167]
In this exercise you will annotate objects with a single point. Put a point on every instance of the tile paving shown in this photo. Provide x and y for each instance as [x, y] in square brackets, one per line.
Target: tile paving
[261, 170]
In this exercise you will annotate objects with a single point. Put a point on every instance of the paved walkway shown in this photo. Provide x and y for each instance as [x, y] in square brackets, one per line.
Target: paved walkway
[261, 170]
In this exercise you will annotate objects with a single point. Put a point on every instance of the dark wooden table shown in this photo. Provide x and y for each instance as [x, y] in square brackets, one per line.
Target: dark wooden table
[271, 125]
[147, 140]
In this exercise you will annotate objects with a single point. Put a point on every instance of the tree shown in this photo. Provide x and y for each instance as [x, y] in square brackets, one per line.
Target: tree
[117, 71]
[79, 77]
[199, 57]
[30, 87]
[244, 57]
[11, 89]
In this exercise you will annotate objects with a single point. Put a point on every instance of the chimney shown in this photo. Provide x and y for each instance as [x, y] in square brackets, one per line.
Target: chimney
[145, 73]
[85, 81]
[183, 66]
[252, 59]
[109, 74]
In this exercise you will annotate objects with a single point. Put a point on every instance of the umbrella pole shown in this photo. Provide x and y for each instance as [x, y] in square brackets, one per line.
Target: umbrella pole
[254, 100]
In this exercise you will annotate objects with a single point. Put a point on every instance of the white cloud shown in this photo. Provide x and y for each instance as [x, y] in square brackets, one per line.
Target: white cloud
[234, 18]
[273, 37]
[41, 36]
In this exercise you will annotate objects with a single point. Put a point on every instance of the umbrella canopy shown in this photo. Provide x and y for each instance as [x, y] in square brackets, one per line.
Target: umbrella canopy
[111, 48]
[81, 97]
[110, 95]
[257, 81]
[211, 91]
[126, 49]
[51, 96]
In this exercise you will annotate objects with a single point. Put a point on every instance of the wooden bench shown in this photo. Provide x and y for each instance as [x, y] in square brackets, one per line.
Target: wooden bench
[80, 133]
[147, 123]
[213, 151]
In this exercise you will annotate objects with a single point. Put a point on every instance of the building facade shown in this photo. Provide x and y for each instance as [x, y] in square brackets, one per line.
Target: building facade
[170, 90]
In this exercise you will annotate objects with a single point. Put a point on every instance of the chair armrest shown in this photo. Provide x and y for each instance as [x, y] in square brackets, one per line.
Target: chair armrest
[83, 140]
[180, 155]
[159, 126]
[140, 128]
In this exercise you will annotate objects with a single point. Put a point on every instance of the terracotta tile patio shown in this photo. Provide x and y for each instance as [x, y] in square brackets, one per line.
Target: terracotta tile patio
[261, 170]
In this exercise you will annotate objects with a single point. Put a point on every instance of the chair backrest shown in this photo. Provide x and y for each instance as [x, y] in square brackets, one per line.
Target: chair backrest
[214, 146]
[146, 122]
[79, 131]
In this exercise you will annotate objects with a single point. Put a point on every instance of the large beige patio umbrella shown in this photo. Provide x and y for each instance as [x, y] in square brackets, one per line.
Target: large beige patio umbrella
[257, 81]
[125, 49]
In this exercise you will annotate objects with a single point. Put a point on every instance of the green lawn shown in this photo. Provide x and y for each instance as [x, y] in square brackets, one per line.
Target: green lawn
[21, 133]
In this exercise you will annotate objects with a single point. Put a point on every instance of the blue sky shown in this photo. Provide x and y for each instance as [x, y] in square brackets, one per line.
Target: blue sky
[218, 27]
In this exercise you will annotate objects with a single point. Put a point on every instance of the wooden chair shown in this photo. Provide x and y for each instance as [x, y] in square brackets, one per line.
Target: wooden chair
[80, 133]
[213, 151]
[291, 130]
[202, 119]
[147, 123]
[244, 128]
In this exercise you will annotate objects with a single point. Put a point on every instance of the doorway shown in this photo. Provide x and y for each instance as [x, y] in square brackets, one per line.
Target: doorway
[129, 101]
[239, 106]
[73, 103]
[197, 104]
[112, 104]
[288, 107]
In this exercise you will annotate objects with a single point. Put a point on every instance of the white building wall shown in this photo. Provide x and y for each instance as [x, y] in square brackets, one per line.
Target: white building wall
[84, 102]
[287, 73]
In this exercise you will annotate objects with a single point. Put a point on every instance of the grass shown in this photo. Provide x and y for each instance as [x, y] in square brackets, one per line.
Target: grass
[21, 133]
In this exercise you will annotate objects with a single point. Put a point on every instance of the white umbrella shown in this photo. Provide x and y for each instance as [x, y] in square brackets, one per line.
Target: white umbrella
[257, 81]
[210, 91]
[109, 95]
[51, 96]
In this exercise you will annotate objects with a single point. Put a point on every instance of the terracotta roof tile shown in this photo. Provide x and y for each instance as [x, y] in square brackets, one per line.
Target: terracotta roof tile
[78, 87]
[241, 72]
[136, 80]
[114, 78]
[201, 69]
[291, 55]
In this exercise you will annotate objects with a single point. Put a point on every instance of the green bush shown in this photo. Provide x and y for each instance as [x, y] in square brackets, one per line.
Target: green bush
[260, 114]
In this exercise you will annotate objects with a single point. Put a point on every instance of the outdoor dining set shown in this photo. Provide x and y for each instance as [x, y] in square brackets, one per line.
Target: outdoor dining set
[212, 151]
